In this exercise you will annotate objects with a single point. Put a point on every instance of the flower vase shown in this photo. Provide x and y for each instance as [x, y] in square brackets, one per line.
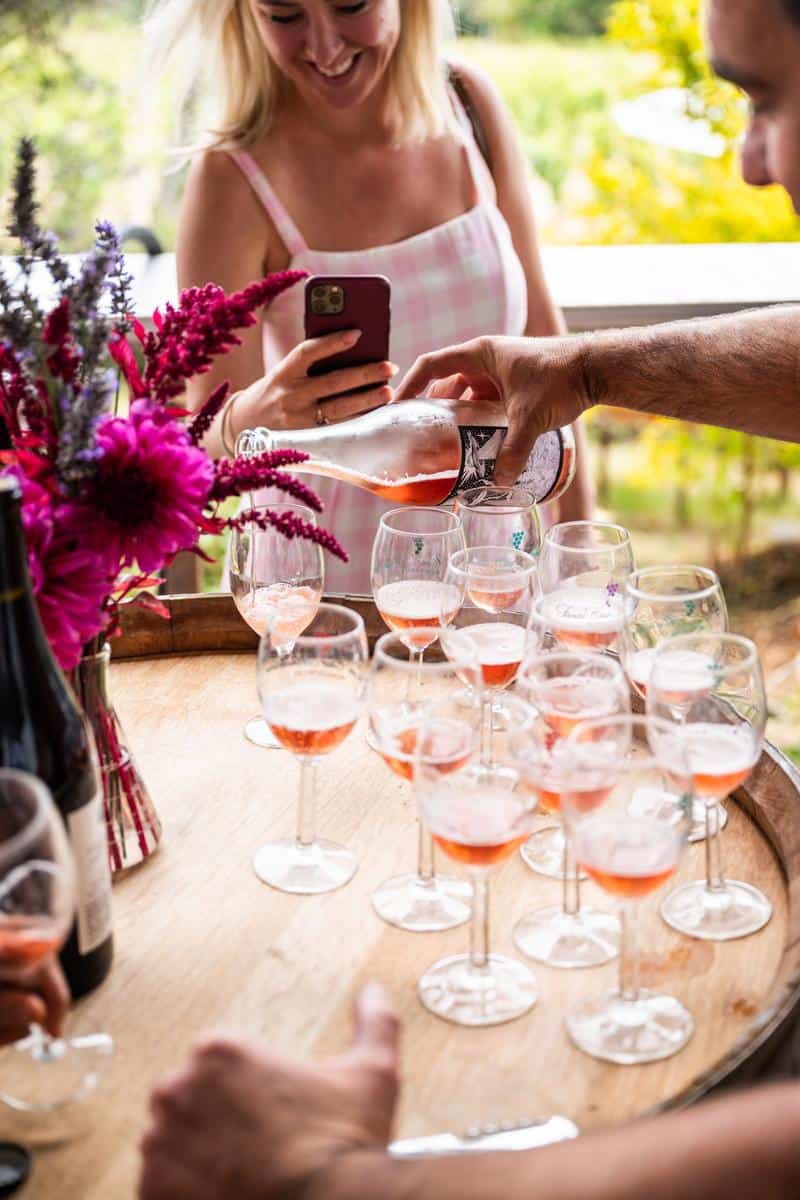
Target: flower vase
[132, 823]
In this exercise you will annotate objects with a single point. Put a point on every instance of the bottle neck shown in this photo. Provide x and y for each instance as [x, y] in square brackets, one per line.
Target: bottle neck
[20, 623]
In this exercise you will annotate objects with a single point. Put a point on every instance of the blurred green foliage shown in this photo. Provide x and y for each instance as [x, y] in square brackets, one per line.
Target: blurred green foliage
[559, 18]
[50, 91]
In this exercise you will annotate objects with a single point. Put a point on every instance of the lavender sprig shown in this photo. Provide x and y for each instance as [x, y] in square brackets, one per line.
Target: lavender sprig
[81, 413]
[119, 281]
[35, 242]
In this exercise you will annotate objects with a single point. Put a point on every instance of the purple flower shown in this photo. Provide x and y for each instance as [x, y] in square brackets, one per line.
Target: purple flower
[71, 579]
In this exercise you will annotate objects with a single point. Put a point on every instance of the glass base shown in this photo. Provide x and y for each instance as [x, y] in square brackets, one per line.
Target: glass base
[559, 939]
[627, 1032]
[41, 1074]
[306, 870]
[735, 911]
[421, 906]
[456, 991]
[544, 852]
[259, 733]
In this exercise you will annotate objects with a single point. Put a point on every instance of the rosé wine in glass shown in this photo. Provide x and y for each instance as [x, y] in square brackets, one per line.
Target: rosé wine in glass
[584, 618]
[408, 604]
[290, 607]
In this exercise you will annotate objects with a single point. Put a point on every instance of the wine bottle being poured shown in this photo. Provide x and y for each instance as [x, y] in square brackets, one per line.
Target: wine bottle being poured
[421, 451]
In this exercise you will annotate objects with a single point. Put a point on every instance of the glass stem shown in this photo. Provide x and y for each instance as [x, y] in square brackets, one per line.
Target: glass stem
[487, 731]
[418, 657]
[715, 879]
[307, 804]
[479, 926]
[629, 954]
[426, 865]
[571, 883]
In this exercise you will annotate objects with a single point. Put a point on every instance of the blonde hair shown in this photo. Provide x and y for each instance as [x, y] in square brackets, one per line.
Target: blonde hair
[228, 62]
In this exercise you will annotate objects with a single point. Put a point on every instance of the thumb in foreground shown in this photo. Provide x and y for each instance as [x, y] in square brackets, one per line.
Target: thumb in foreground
[377, 1024]
[516, 448]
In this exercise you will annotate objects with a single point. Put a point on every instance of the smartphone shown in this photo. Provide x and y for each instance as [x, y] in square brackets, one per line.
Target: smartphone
[336, 302]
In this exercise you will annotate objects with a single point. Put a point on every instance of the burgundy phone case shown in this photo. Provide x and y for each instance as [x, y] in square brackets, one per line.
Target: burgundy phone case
[366, 307]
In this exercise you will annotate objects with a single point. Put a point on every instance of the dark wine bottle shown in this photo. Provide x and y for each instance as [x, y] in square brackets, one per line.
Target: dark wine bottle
[42, 730]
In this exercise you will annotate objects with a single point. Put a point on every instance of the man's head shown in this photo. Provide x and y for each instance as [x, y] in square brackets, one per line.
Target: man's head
[756, 44]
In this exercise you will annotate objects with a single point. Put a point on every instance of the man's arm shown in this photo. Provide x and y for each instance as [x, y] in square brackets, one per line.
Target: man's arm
[246, 1121]
[740, 371]
[737, 1148]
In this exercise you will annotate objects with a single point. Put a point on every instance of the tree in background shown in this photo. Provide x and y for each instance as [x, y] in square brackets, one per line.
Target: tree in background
[75, 116]
[646, 193]
[560, 18]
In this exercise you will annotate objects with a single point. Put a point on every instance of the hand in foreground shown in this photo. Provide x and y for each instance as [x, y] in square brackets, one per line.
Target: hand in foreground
[36, 996]
[287, 397]
[243, 1122]
[538, 381]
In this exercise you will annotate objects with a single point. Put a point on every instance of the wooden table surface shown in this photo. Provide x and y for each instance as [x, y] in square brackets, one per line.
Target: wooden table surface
[201, 942]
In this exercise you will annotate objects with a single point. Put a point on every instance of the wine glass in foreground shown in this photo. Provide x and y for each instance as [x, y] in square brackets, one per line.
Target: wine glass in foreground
[311, 697]
[409, 560]
[718, 710]
[495, 516]
[399, 695]
[479, 817]
[582, 570]
[37, 899]
[610, 762]
[666, 602]
[272, 576]
[564, 689]
[493, 588]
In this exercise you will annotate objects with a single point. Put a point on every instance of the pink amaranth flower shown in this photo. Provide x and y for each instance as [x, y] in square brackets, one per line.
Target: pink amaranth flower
[146, 501]
[71, 580]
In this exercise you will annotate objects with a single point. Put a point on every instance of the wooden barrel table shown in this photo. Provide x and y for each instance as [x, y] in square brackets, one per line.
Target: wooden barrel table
[201, 942]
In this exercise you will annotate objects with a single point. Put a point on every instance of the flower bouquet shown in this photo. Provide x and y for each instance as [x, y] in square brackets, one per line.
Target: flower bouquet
[109, 497]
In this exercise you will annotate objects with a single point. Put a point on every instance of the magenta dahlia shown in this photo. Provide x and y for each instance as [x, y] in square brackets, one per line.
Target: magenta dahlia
[71, 580]
[146, 500]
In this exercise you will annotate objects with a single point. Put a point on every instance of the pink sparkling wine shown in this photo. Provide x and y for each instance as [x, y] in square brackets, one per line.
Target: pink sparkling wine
[285, 609]
[584, 618]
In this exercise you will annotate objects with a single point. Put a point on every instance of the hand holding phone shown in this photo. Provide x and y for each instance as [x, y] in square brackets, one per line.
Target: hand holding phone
[334, 303]
[291, 396]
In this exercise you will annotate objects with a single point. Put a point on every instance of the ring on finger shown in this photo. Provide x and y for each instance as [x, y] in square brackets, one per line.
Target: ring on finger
[320, 418]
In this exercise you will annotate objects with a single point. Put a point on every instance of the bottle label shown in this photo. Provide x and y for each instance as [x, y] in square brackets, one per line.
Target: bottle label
[87, 835]
[480, 446]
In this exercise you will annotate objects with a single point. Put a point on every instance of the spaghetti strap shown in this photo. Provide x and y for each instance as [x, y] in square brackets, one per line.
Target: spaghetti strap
[289, 233]
[482, 179]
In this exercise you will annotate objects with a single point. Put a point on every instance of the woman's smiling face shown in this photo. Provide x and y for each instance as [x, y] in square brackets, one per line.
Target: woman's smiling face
[332, 51]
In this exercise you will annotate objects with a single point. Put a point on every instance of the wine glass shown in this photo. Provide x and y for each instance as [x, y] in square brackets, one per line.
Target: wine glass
[271, 575]
[492, 587]
[564, 689]
[495, 516]
[38, 885]
[478, 816]
[710, 689]
[311, 697]
[665, 602]
[582, 570]
[396, 703]
[609, 761]
[409, 560]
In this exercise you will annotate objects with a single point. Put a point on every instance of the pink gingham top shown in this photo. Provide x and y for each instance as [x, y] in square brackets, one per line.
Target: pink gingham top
[450, 283]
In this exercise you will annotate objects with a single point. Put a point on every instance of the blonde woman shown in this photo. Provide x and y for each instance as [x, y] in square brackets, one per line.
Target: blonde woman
[341, 142]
